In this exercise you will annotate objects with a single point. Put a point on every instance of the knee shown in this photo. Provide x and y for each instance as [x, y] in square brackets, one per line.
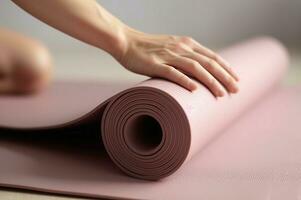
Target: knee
[32, 70]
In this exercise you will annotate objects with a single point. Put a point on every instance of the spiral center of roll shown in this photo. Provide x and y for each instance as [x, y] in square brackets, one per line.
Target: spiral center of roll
[143, 134]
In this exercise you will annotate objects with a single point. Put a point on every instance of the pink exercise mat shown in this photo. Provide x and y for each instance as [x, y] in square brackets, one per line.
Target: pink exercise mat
[157, 130]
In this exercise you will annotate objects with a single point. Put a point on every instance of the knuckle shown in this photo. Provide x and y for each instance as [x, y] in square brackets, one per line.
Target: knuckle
[212, 82]
[172, 37]
[187, 39]
[164, 51]
[211, 63]
[178, 46]
[219, 58]
[194, 65]
[184, 80]
[214, 56]
[211, 53]
[228, 68]
[181, 77]
[168, 70]
[210, 67]
[228, 80]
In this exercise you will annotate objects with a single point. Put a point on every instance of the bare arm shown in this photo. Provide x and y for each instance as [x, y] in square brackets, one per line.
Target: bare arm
[172, 57]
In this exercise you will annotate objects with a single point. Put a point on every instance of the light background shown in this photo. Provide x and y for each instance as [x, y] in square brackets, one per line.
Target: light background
[214, 23]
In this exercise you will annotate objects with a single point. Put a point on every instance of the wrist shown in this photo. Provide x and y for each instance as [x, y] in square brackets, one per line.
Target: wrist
[123, 39]
[120, 41]
[113, 35]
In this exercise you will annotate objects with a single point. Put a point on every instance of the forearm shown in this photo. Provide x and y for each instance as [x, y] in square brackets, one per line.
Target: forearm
[85, 20]
[171, 57]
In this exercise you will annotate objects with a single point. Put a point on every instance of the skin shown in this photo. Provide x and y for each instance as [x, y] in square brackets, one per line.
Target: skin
[175, 58]
[25, 64]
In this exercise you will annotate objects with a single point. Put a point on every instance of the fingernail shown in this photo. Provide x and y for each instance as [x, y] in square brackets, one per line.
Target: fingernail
[192, 86]
[234, 74]
[234, 89]
[220, 93]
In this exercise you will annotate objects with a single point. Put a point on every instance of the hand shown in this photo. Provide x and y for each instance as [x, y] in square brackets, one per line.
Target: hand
[170, 57]
[177, 59]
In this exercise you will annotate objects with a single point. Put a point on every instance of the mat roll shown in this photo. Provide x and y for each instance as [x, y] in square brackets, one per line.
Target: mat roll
[151, 129]
[249, 141]
[146, 133]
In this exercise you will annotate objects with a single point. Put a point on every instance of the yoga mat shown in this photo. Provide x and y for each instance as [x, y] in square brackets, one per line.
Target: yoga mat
[153, 130]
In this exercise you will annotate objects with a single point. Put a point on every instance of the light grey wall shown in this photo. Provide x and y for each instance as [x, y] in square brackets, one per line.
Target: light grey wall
[212, 22]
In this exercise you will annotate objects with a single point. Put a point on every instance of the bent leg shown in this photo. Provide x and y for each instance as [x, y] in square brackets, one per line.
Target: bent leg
[25, 64]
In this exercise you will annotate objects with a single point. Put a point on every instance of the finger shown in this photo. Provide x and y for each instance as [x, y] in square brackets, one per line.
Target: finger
[216, 70]
[211, 54]
[172, 74]
[226, 66]
[194, 69]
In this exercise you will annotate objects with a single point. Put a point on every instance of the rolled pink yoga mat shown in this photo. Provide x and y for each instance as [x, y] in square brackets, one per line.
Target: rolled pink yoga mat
[150, 130]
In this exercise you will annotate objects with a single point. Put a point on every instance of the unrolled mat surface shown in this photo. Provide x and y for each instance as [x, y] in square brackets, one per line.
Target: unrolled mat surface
[114, 140]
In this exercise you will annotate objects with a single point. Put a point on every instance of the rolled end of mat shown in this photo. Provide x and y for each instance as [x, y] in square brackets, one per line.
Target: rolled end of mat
[146, 133]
